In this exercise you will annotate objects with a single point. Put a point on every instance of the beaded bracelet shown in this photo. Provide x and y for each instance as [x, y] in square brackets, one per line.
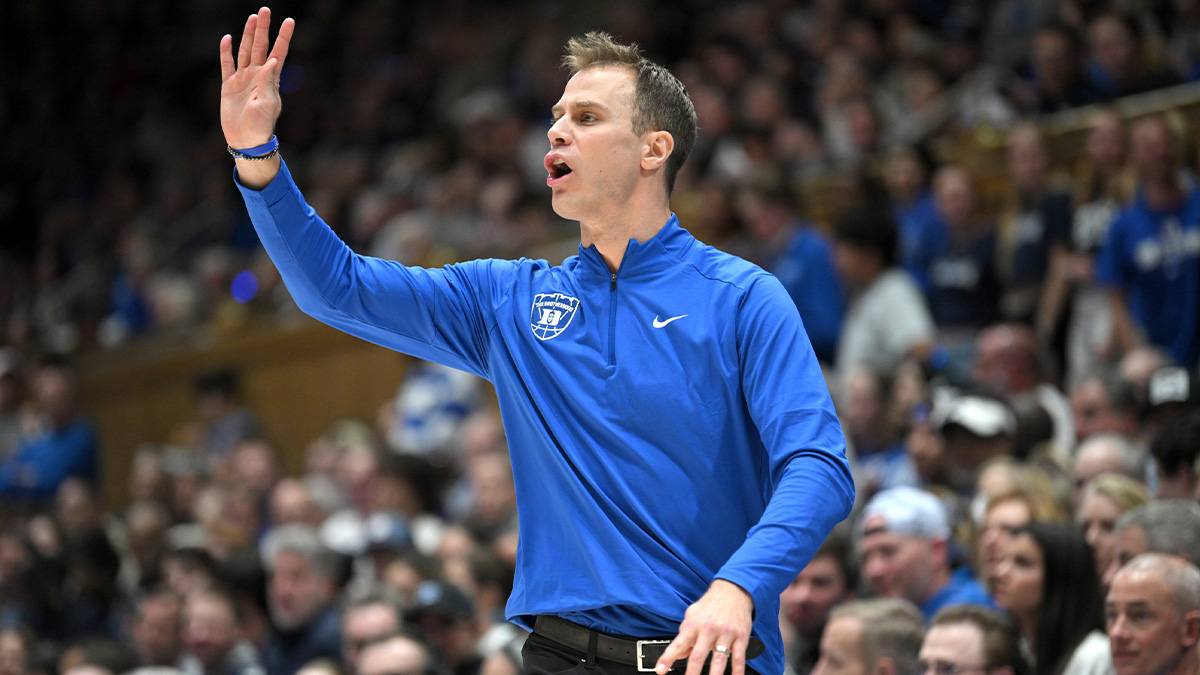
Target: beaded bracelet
[265, 151]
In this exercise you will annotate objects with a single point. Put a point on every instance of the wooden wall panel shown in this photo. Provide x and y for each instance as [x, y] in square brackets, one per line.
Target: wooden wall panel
[296, 381]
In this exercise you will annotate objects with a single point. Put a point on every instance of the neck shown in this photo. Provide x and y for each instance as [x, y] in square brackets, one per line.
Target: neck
[610, 233]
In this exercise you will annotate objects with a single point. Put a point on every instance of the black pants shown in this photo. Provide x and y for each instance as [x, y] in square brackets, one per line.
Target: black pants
[543, 656]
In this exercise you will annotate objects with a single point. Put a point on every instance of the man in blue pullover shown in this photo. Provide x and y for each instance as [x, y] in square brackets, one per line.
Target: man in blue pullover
[676, 455]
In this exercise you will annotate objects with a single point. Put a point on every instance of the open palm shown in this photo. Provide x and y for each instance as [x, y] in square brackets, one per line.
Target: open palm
[250, 101]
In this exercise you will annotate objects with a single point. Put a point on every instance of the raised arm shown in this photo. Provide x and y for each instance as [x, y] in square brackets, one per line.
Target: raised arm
[250, 101]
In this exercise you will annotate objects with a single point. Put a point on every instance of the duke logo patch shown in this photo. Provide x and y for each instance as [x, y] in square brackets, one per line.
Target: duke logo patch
[552, 313]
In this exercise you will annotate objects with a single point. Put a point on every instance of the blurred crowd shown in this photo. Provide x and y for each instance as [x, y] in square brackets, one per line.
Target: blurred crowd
[1013, 353]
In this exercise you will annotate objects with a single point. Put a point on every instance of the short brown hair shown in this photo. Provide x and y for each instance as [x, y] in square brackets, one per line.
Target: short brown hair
[660, 101]
[1001, 636]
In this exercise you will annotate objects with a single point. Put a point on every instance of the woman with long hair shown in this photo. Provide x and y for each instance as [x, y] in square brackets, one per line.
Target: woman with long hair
[1046, 579]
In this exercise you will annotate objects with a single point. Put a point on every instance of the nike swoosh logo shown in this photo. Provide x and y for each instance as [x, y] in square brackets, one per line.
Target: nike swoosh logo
[660, 324]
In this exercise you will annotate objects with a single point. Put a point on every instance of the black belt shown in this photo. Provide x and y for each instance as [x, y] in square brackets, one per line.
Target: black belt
[630, 651]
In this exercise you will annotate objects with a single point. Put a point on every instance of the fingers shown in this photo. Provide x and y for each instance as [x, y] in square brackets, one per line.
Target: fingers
[227, 65]
[262, 38]
[247, 41]
[283, 40]
[674, 651]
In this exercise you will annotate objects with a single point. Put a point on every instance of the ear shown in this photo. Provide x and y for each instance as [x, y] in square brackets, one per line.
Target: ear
[884, 666]
[939, 552]
[659, 146]
[1190, 629]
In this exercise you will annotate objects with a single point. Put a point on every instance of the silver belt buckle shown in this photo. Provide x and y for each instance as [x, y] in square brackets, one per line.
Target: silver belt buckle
[641, 658]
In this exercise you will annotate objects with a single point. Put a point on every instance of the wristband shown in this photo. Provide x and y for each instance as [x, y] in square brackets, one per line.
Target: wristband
[265, 151]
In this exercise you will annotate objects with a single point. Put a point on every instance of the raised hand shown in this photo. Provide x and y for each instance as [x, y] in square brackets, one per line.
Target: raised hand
[250, 101]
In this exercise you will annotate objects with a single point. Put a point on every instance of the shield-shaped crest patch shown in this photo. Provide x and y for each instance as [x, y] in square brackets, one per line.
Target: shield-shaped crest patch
[551, 314]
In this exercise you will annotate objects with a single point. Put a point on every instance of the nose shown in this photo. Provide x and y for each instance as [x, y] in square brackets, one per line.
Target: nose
[557, 133]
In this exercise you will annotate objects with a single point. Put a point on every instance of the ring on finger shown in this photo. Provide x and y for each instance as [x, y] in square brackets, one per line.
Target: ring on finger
[721, 649]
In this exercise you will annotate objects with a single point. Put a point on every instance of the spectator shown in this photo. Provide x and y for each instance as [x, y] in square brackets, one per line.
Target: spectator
[830, 579]
[1010, 362]
[967, 637]
[66, 444]
[921, 234]
[1105, 498]
[1151, 272]
[878, 458]
[905, 544]
[155, 632]
[303, 584]
[964, 289]
[1103, 402]
[1056, 64]
[225, 422]
[449, 620]
[1007, 511]
[974, 430]
[1175, 453]
[1034, 229]
[794, 250]
[1153, 612]
[214, 642]
[887, 319]
[1117, 64]
[398, 653]
[366, 618]
[867, 636]
[1046, 579]
[1104, 182]
[1161, 526]
[1108, 453]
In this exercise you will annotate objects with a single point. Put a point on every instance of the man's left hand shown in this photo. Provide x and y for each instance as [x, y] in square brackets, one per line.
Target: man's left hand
[722, 617]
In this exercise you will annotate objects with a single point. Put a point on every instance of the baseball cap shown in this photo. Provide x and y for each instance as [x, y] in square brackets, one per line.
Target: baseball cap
[982, 416]
[435, 597]
[907, 511]
[1172, 384]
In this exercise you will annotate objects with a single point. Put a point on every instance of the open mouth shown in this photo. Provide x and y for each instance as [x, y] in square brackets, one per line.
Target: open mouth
[559, 168]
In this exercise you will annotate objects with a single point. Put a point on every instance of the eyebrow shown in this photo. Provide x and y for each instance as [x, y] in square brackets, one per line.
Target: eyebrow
[557, 109]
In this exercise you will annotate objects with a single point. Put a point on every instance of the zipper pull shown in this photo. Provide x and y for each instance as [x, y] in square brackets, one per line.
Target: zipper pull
[613, 286]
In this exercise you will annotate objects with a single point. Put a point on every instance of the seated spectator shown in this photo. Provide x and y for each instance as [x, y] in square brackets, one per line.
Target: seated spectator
[887, 319]
[224, 421]
[301, 592]
[966, 637]
[1046, 580]
[1029, 500]
[964, 289]
[1153, 611]
[878, 459]
[1151, 270]
[398, 653]
[1108, 453]
[64, 446]
[881, 635]
[921, 234]
[974, 429]
[448, 619]
[1034, 229]
[1104, 182]
[155, 632]
[213, 638]
[1161, 526]
[829, 579]
[1104, 499]
[1117, 64]
[798, 253]
[1103, 402]
[1057, 79]
[905, 544]
[1175, 451]
[1010, 362]
[367, 617]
